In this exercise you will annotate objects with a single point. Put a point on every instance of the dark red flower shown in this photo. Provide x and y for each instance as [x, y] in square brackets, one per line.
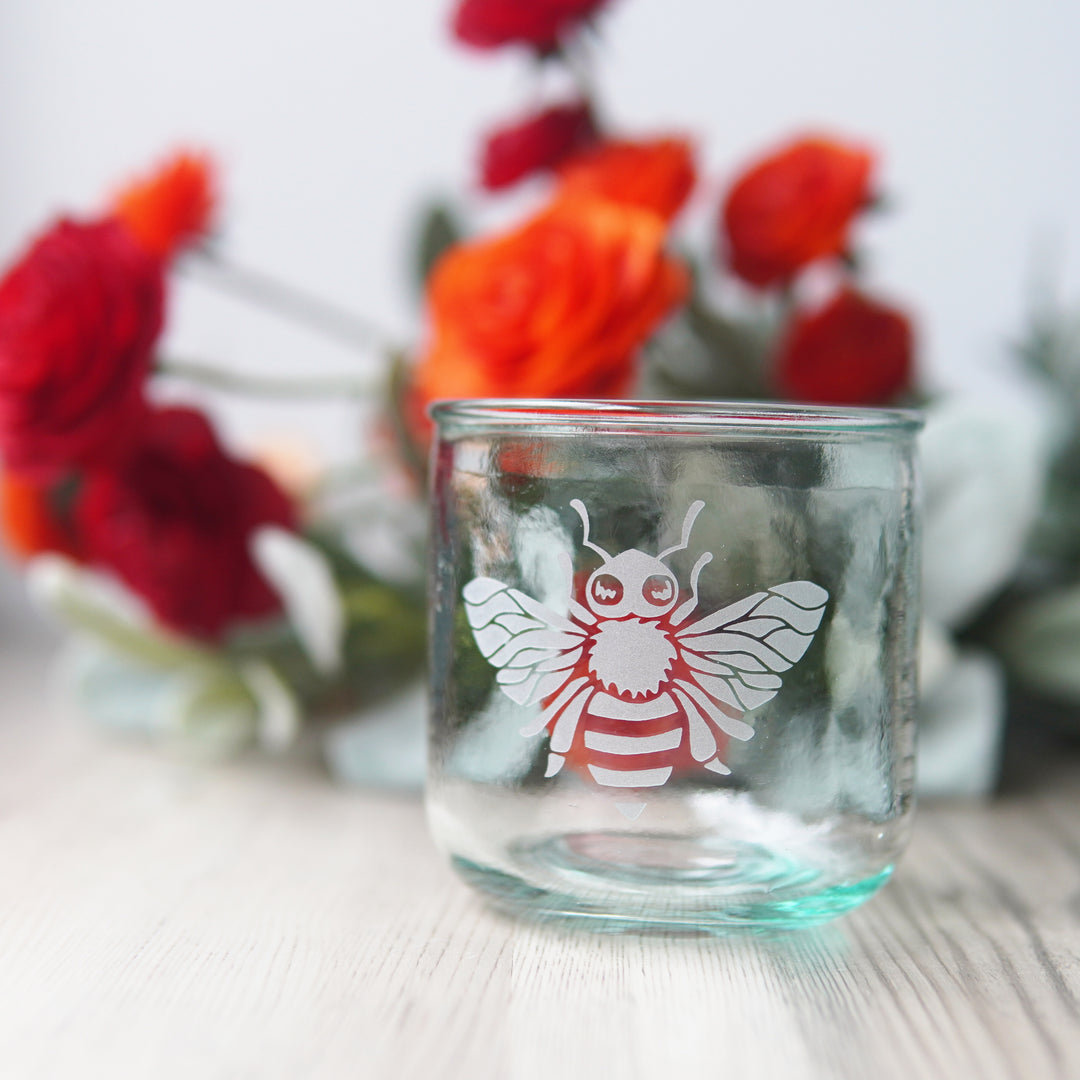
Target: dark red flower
[488, 24]
[852, 351]
[174, 524]
[536, 143]
[79, 315]
[794, 206]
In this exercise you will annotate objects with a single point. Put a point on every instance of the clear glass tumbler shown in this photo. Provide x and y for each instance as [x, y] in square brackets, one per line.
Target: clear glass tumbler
[672, 657]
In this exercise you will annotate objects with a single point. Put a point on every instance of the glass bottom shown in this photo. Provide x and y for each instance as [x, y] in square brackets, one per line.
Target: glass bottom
[628, 881]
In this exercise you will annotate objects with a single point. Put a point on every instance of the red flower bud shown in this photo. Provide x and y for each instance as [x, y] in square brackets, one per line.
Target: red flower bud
[536, 143]
[654, 174]
[173, 207]
[79, 315]
[852, 351]
[794, 207]
[489, 24]
[174, 523]
[32, 519]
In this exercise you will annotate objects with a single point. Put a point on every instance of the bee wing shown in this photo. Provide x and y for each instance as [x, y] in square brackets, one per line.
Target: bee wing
[534, 648]
[737, 654]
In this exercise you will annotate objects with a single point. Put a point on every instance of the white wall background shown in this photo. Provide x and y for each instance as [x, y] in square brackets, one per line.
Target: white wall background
[333, 118]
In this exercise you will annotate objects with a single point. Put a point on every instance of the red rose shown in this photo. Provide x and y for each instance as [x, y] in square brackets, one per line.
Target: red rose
[793, 207]
[79, 315]
[853, 351]
[174, 523]
[656, 174]
[534, 144]
[487, 24]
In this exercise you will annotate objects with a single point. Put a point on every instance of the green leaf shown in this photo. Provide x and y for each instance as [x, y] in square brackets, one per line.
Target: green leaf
[1040, 643]
[703, 353]
[278, 714]
[397, 391]
[102, 610]
[439, 230]
[213, 714]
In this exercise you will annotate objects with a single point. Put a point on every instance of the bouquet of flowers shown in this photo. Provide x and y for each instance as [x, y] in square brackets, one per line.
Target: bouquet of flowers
[222, 599]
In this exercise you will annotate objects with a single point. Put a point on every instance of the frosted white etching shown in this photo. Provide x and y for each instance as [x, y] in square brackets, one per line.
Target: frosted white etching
[626, 685]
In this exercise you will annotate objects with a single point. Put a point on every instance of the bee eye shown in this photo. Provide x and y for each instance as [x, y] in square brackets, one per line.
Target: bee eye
[658, 590]
[607, 589]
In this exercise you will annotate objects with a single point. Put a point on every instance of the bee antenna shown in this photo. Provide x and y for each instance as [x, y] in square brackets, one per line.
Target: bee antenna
[579, 506]
[687, 606]
[687, 525]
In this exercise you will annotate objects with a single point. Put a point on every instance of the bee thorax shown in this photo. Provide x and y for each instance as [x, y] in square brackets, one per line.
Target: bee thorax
[630, 656]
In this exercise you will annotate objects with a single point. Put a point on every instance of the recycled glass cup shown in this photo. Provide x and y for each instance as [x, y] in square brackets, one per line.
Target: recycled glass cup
[672, 657]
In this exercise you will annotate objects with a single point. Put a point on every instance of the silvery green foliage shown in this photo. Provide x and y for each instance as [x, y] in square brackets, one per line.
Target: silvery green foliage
[127, 674]
[961, 722]
[984, 463]
[303, 578]
[1038, 635]
[385, 747]
[1052, 356]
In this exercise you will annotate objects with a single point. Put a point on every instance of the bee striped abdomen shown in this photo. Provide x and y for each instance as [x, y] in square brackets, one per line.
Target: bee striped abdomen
[629, 743]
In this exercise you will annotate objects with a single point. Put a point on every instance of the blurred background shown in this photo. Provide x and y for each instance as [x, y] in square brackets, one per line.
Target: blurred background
[334, 121]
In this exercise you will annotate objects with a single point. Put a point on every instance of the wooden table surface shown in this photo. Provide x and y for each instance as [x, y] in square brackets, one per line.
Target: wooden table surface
[160, 919]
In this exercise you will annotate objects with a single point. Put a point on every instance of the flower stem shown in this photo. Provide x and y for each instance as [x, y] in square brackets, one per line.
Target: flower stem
[267, 386]
[265, 291]
[578, 61]
[346, 476]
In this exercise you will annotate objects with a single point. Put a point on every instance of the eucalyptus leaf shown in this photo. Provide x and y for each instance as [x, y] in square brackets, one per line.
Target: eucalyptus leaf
[113, 691]
[385, 748]
[212, 713]
[937, 654]
[961, 723]
[103, 609]
[984, 461]
[304, 580]
[279, 718]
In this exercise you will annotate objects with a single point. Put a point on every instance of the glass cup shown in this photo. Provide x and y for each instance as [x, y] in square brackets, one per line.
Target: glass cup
[672, 657]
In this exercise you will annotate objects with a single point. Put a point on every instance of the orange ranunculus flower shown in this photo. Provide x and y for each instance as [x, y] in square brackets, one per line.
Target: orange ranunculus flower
[173, 207]
[657, 174]
[31, 521]
[794, 206]
[556, 308]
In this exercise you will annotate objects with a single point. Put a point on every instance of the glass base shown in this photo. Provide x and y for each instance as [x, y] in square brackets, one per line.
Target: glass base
[625, 881]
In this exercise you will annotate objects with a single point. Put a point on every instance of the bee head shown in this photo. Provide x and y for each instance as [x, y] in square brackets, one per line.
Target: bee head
[632, 583]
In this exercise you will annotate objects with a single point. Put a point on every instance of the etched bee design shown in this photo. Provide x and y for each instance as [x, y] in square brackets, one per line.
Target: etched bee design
[625, 679]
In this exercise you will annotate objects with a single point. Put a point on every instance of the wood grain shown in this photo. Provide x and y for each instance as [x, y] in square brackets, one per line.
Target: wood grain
[163, 919]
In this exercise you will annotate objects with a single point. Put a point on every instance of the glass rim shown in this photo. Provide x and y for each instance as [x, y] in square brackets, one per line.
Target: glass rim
[601, 414]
